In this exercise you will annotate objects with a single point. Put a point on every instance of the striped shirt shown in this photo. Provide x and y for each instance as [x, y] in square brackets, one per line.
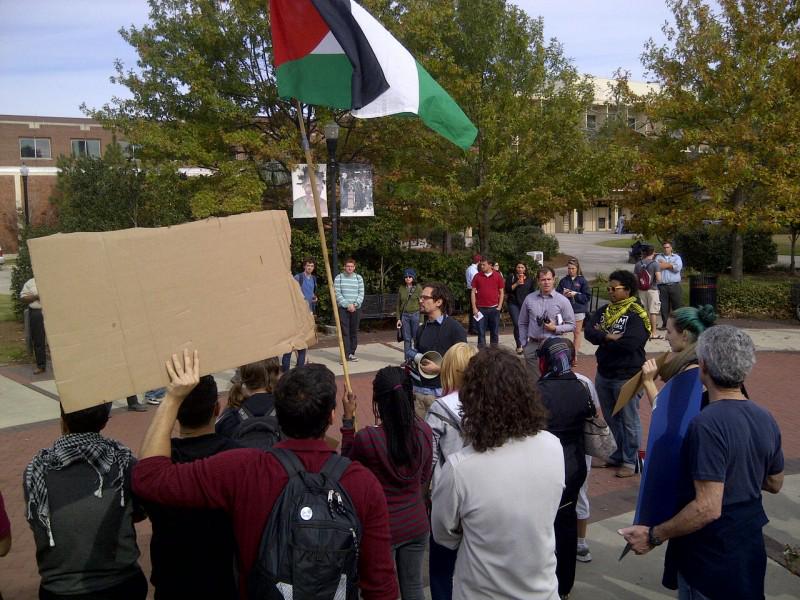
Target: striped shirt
[349, 290]
[404, 487]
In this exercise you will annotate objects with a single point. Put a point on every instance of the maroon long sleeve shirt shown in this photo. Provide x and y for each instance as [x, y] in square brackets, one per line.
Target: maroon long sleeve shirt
[404, 487]
[246, 483]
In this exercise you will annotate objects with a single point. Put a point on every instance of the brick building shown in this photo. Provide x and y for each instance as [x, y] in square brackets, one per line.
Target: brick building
[29, 150]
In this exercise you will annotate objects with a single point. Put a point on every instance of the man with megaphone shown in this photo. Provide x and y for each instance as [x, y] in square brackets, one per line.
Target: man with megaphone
[433, 339]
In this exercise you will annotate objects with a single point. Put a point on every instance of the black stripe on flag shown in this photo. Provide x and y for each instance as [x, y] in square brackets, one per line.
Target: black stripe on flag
[368, 81]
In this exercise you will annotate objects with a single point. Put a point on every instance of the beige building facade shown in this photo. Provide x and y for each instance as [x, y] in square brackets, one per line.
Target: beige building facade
[604, 214]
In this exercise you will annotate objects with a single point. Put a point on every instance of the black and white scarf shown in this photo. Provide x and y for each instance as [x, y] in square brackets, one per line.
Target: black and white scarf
[100, 453]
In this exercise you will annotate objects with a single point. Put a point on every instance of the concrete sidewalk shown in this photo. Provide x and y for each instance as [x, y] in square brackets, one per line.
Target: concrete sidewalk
[29, 413]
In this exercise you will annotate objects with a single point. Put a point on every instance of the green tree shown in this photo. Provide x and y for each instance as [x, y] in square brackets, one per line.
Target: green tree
[727, 113]
[111, 192]
[532, 157]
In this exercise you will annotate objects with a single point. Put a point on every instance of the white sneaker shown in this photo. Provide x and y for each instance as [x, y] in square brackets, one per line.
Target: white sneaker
[352, 358]
[583, 554]
[154, 401]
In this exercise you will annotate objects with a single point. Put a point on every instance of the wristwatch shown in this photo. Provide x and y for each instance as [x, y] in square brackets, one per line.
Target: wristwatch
[652, 540]
[349, 423]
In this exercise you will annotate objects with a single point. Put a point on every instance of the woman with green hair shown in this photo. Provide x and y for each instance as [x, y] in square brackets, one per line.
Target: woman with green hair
[684, 326]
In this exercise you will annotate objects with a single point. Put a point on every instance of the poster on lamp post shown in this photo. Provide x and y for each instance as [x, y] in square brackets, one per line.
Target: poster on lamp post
[303, 196]
[355, 182]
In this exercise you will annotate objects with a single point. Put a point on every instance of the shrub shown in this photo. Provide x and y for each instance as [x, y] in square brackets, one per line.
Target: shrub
[709, 250]
[23, 270]
[749, 298]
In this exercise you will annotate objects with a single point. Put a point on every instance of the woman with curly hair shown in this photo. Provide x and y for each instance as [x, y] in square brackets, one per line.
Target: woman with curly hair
[497, 499]
[398, 451]
[684, 326]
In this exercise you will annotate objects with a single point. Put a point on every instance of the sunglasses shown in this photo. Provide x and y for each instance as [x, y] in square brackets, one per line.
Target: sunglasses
[615, 287]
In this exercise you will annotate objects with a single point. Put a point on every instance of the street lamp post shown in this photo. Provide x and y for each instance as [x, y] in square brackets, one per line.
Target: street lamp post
[331, 140]
[24, 171]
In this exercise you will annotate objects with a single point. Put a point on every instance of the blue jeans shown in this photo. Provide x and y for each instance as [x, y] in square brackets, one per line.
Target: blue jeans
[410, 324]
[155, 394]
[441, 566]
[625, 425]
[408, 558]
[286, 360]
[513, 310]
[687, 592]
[490, 321]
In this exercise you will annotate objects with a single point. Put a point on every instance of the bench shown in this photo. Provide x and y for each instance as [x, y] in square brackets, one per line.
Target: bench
[379, 306]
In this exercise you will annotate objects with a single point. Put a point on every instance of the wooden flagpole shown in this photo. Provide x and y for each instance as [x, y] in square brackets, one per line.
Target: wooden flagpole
[312, 173]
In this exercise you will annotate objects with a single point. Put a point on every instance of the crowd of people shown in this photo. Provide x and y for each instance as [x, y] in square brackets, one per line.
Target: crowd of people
[476, 454]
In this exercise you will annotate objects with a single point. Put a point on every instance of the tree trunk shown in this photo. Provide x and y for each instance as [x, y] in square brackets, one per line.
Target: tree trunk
[484, 228]
[447, 246]
[737, 251]
[794, 232]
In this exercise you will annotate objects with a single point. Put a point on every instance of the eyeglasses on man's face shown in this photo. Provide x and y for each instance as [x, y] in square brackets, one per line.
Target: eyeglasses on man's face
[614, 288]
[424, 297]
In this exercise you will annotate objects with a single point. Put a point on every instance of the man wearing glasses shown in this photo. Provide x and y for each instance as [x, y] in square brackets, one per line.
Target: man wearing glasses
[669, 288]
[438, 334]
[545, 313]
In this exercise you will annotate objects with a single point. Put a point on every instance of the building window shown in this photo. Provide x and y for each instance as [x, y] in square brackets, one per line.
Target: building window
[591, 121]
[34, 148]
[130, 151]
[86, 148]
[632, 122]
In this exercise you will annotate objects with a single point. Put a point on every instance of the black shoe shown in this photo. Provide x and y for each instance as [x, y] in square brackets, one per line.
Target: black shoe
[137, 407]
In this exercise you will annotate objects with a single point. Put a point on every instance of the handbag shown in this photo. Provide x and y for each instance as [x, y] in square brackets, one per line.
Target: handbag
[597, 438]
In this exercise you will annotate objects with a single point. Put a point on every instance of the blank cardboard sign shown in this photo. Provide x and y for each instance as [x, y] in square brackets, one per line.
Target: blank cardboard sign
[118, 304]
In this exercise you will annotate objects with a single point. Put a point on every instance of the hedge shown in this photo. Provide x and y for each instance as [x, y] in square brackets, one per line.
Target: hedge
[754, 298]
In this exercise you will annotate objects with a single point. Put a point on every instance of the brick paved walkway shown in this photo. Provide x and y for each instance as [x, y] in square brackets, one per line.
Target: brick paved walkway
[771, 384]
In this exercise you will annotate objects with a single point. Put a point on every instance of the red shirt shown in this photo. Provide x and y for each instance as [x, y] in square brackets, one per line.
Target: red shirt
[487, 289]
[5, 524]
[246, 483]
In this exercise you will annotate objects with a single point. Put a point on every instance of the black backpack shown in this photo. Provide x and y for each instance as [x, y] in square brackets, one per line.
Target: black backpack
[256, 432]
[310, 546]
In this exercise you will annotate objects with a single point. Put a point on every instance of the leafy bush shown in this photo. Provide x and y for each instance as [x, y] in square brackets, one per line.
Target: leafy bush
[709, 250]
[23, 270]
[754, 298]
[510, 247]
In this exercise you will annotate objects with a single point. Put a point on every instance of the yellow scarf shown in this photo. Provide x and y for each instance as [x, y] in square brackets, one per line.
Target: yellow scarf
[616, 309]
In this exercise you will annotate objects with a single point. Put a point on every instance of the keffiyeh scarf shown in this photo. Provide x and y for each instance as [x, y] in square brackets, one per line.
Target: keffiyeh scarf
[616, 309]
[100, 453]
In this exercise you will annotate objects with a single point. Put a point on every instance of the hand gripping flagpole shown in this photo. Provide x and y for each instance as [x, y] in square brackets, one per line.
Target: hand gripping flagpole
[312, 173]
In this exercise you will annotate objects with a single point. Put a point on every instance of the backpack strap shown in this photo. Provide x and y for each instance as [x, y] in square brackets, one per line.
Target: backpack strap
[335, 466]
[289, 461]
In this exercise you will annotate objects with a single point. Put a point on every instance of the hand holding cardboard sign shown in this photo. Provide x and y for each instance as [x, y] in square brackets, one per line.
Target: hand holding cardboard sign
[184, 374]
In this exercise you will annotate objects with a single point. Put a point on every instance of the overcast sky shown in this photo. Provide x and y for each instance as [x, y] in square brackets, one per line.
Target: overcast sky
[54, 55]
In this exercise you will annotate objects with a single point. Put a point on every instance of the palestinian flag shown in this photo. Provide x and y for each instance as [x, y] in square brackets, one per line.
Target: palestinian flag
[334, 53]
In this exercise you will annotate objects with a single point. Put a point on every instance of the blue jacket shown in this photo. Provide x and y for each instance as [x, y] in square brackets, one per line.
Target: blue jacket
[581, 302]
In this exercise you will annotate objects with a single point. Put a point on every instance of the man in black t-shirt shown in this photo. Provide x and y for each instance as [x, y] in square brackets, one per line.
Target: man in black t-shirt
[731, 453]
[193, 550]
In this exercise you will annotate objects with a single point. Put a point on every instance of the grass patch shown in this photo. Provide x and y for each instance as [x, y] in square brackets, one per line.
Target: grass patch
[6, 308]
[626, 242]
[12, 334]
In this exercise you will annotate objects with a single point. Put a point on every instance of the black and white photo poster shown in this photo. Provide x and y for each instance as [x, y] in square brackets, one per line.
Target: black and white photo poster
[355, 182]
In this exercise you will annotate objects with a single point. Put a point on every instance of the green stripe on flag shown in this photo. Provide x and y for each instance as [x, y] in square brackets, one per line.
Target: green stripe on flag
[441, 113]
[317, 79]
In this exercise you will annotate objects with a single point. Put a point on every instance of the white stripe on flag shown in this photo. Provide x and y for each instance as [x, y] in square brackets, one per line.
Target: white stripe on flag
[328, 45]
[399, 68]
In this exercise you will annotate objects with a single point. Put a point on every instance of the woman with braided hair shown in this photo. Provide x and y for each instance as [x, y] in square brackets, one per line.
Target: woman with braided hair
[684, 326]
[398, 449]
[620, 330]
